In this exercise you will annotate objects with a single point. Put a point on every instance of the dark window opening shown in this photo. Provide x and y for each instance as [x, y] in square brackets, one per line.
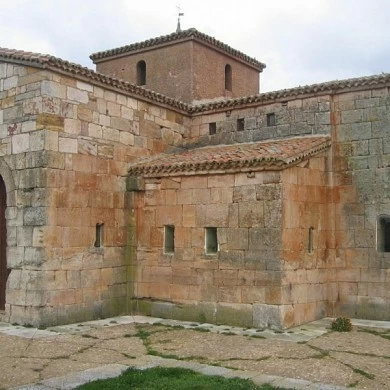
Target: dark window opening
[240, 124]
[228, 77]
[211, 240]
[99, 235]
[212, 128]
[383, 233]
[141, 73]
[311, 240]
[169, 239]
[271, 120]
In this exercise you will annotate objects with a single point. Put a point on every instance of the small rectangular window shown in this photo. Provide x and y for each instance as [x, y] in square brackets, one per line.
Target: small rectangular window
[311, 240]
[271, 120]
[99, 235]
[211, 240]
[169, 239]
[383, 233]
[212, 128]
[240, 124]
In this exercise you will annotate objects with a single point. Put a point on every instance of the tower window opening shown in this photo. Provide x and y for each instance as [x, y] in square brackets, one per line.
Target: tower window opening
[141, 73]
[240, 124]
[228, 77]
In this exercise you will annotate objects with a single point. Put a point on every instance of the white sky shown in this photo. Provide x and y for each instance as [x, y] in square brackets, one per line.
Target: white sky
[301, 41]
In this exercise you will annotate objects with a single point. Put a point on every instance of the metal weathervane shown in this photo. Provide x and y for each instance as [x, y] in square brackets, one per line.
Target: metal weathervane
[178, 28]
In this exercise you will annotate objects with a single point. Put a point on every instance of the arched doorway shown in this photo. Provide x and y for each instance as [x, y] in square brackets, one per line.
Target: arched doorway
[3, 244]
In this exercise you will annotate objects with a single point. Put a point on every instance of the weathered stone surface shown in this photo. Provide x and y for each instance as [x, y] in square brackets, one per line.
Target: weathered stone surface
[35, 216]
[267, 316]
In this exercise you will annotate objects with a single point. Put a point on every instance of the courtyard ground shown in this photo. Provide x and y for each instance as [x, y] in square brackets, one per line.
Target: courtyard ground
[306, 357]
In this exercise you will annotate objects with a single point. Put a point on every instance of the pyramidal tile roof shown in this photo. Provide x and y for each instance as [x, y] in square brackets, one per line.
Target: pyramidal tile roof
[191, 33]
[266, 155]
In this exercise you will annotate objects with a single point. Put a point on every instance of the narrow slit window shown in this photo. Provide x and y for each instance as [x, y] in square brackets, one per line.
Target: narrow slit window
[211, 240]
[311, 240]
[271, 120]
[169, 239]
[240, 124]
[383, 233]
[212, 128]
[141, 73]
[228, 77]
[99, 235]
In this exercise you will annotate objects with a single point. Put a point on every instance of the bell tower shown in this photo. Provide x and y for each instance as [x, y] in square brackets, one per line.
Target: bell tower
[186, 65]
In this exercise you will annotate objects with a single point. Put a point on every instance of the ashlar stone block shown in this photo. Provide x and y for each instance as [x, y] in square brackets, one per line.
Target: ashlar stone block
[267, 316]
[20, 143]
[51, 88]
[77, 95]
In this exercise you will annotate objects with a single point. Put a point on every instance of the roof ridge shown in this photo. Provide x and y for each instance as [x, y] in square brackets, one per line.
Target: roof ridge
[191, 32]
[328, 86]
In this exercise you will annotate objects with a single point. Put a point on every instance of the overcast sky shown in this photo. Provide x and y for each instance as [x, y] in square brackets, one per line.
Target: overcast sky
[301, 41]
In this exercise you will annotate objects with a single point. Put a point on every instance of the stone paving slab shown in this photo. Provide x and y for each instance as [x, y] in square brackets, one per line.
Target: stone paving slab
[72, 381]
[104, 348]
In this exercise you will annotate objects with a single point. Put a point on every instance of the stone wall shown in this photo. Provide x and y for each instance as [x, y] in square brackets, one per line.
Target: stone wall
[308, 262]
[223, 287]
[297, 117]
[66, 145]
[361, 166]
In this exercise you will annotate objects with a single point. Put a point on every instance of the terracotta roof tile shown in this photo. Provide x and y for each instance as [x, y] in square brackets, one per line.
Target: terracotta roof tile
[292, 93]
[191, 33]
[265, 155]
[59, 65]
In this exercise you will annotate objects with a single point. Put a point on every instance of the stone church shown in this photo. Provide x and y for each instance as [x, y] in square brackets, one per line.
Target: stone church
[165, 184]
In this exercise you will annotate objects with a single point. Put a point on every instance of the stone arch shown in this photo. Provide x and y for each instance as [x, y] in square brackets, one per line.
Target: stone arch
[7, 186]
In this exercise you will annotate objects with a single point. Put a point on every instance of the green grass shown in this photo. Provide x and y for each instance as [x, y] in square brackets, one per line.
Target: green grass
[160, 378]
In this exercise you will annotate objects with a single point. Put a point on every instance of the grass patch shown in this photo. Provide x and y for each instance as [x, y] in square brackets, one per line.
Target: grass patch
[143, 334]
[359, 371]
[204, 330]
[256, 336]
[177, 327]
[364, 373]
[161, 378]
[341, 324]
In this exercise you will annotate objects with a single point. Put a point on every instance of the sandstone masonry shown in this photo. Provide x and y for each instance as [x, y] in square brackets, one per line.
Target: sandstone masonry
[266, 210]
